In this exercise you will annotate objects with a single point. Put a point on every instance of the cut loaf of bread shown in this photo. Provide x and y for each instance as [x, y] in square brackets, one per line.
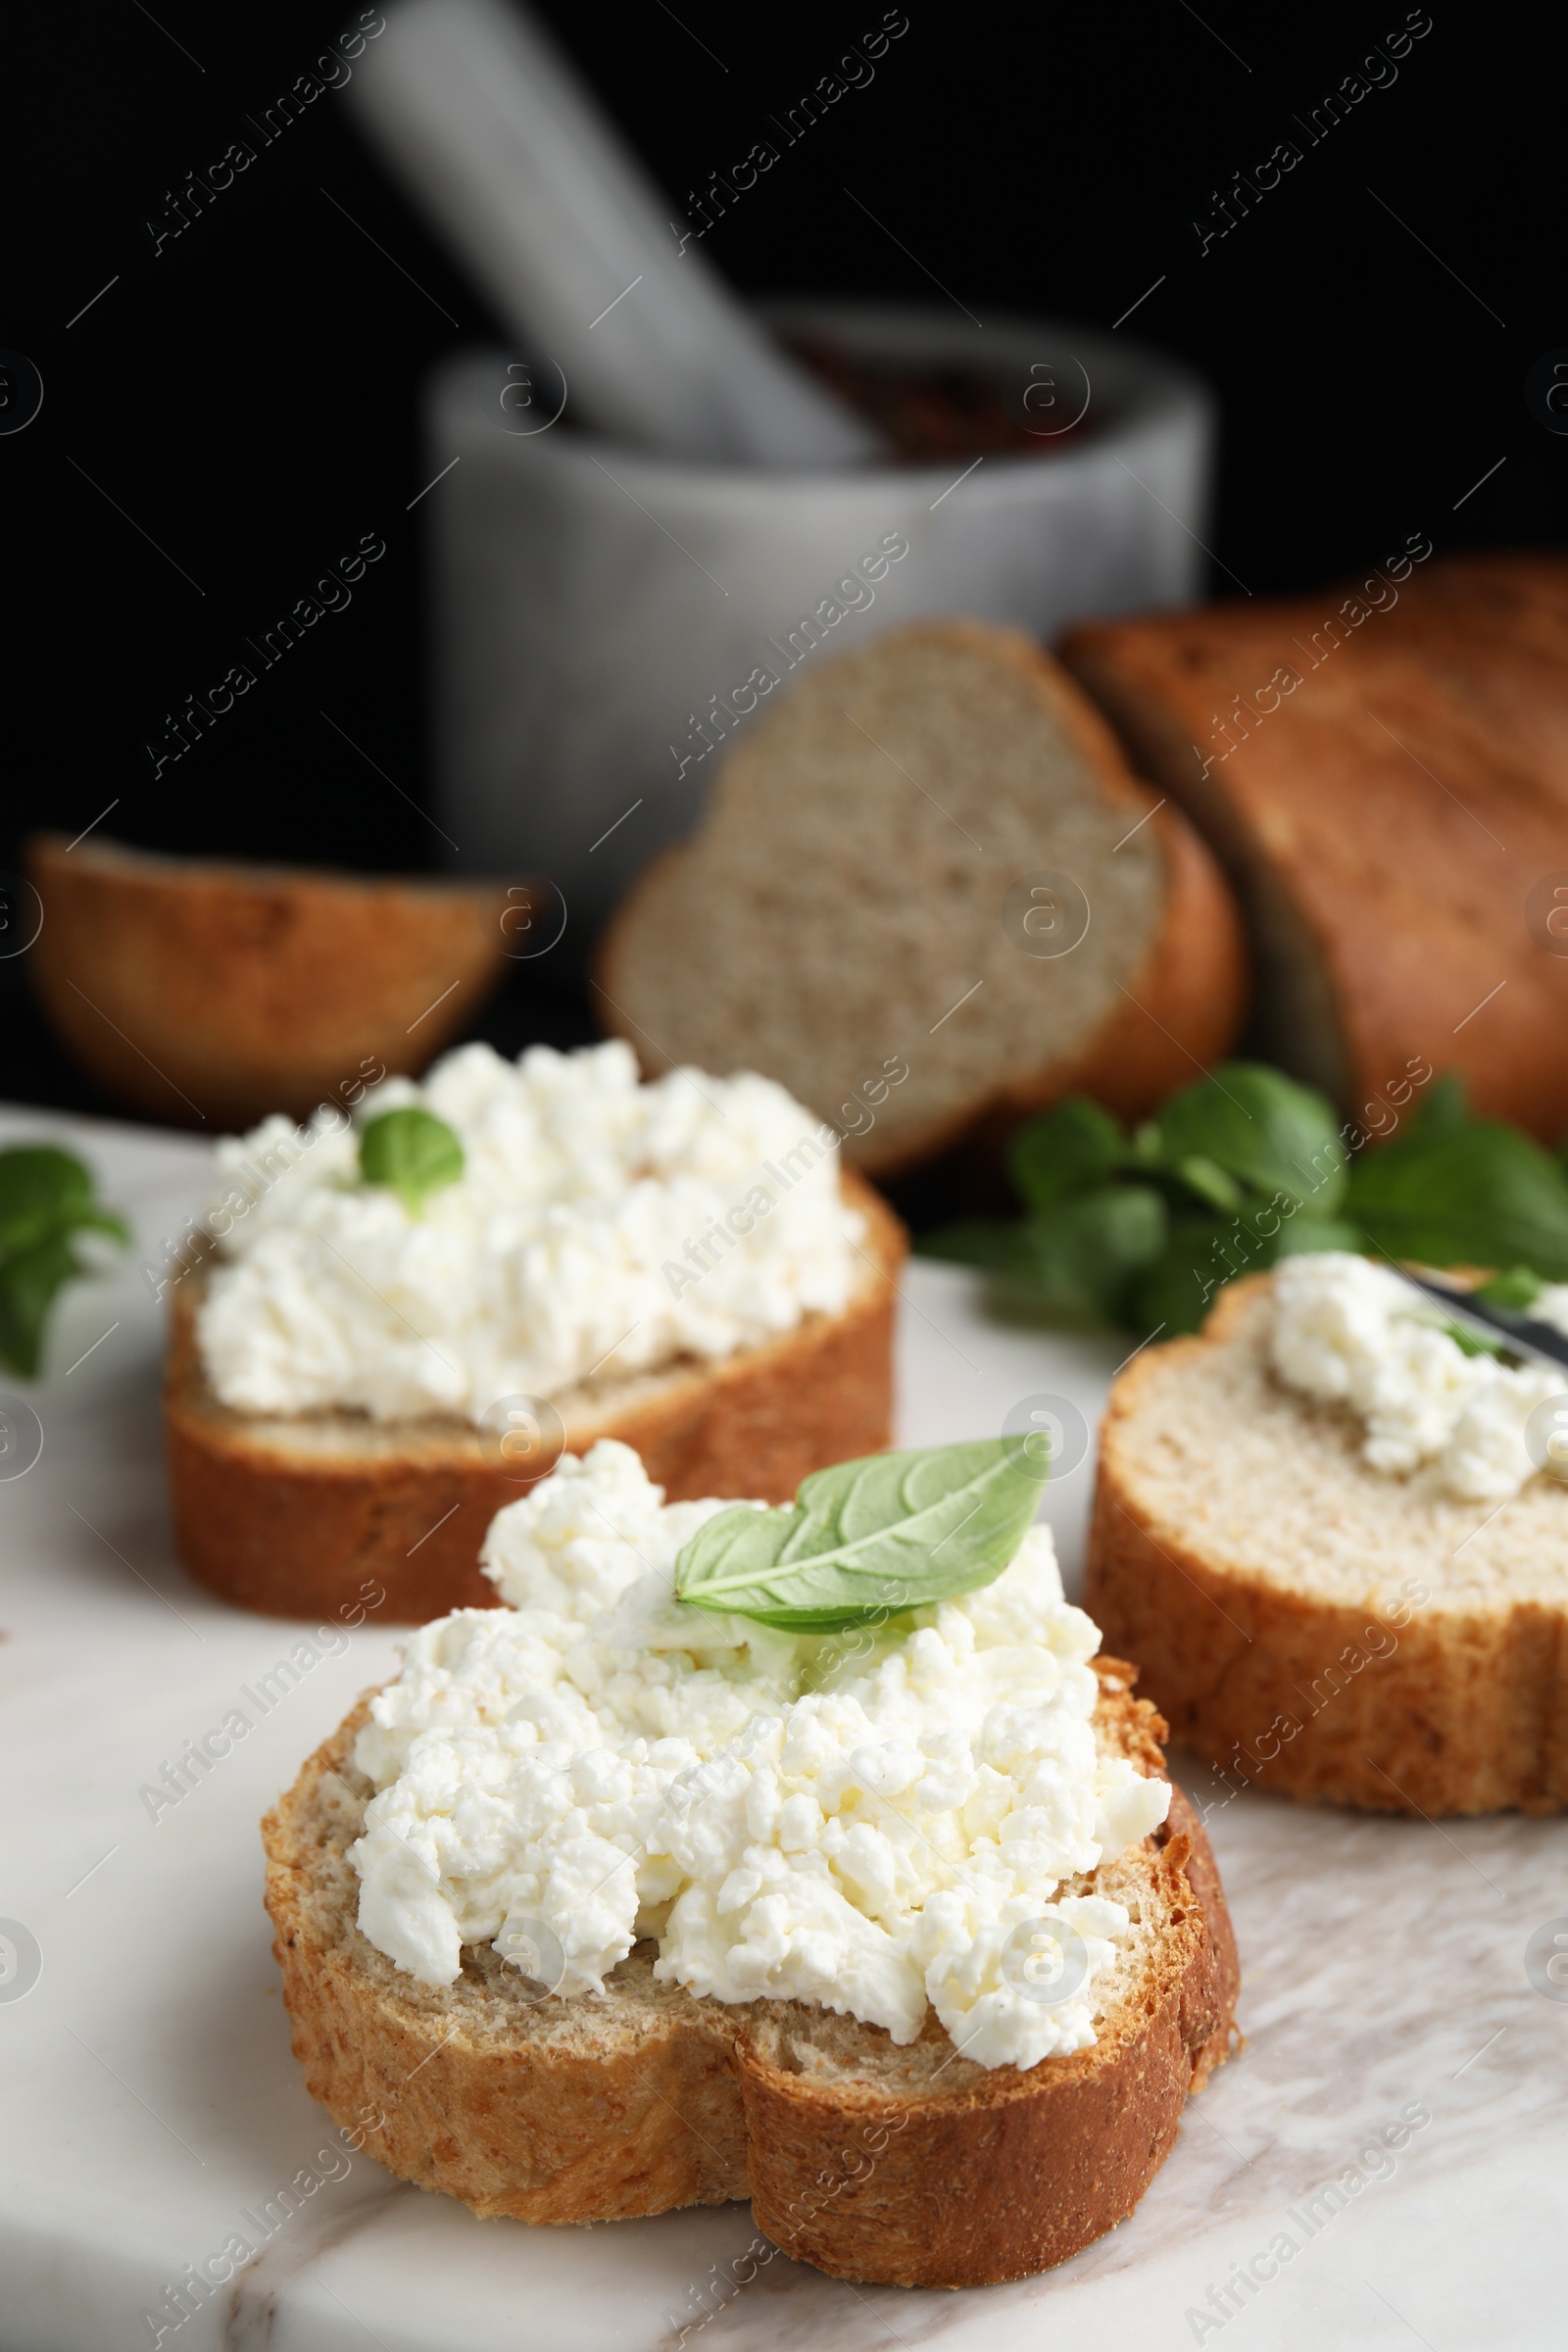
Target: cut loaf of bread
[292, 1514]
[198, 991]
[911, 2165]
[845, 906]
[1383, 770]
[1313, 1624]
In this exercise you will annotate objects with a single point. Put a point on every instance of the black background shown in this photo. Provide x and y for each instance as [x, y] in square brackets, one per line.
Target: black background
[248, 395]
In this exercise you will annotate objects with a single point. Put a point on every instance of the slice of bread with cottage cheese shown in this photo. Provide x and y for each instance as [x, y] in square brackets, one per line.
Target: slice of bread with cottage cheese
[900, 1933]
[931, 858]
[683, 1266]
[1323, 1530]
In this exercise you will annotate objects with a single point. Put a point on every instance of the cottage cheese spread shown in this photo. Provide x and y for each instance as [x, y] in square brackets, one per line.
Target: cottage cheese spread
[1348, 1331]
[865, 1822]
[599, 1226]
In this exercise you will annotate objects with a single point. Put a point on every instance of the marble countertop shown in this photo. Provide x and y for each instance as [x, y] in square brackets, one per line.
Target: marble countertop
[1387, 2158]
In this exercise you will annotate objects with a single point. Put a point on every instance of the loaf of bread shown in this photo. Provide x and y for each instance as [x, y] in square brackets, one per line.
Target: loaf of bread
[907, 2164]
[1383, 769]
[930, 897]
[1313, 1624]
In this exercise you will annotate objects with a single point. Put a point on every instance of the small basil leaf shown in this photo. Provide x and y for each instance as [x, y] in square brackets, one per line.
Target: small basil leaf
[1440, 1113]
[1262, 1127]
[867, 1538]
[46, 1195]
[41, 1188]
[1208, 1182]
[42, 1176]
[1480, 1195]
[1076, 1146]
[1467, 1339]
[30, 1280]
[1514, 1291]
[412, 1151]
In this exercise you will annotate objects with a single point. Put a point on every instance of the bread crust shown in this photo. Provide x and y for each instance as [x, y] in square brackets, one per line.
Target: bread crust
[198, 991]
[1180, 1007]
[295, 1516]
[1179, 1012]
[1467, 1712]
[648, 2098]
[1383, 819]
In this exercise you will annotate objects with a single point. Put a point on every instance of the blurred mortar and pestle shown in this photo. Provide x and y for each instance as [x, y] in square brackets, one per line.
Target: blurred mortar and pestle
[648, 511]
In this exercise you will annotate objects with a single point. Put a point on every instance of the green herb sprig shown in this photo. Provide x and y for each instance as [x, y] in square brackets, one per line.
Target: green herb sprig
[1141, 1230]
[867, 1538]
[412, 1151]
[47, 1198]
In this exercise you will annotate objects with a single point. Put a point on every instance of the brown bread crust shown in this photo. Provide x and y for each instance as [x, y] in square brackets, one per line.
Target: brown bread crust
[648, 2098]
[294, 1515]
[1180, 1008]
[1384, 822]
[200, 991]
[1467, 1714]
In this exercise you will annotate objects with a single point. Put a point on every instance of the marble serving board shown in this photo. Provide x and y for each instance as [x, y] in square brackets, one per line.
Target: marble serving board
[1395, 2048]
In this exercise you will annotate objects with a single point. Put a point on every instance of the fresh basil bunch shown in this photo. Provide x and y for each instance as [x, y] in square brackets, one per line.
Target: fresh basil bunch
[1238, 1171]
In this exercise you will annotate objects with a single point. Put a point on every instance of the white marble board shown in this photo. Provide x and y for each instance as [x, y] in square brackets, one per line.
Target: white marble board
[149, 2099]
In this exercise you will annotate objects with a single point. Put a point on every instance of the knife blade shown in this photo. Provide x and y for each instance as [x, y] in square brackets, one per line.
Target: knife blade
[1519, 1333]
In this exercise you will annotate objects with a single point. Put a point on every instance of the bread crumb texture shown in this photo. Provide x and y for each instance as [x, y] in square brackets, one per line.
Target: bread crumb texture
[943, 764]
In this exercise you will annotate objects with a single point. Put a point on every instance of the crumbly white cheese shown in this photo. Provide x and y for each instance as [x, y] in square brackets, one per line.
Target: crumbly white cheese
[1348, 1331]
[599, 1226]
[867, 1822]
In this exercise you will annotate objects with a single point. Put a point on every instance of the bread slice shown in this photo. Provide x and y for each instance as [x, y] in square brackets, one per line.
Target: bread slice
[291, 1515]
[1313, 1624]
[844, 907]
[201, 992]
[1384, 817]
[912, 2166]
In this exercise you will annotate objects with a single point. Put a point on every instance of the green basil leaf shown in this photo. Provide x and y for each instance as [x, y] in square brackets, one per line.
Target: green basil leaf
[1442, 1112]
[412, 1151]
[1076, 1263]
[1208, 1181]
[42, 1176]
[30, 1281]
[1074, 1146]
[1514, 1291]
[1480, 1195]
[971, 1242]
[41, 1188]
[1305, 1233]
[867, 1538]
[1467, 1338]
[46, 1195]
[1204, 1253]
[1261, 1126]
